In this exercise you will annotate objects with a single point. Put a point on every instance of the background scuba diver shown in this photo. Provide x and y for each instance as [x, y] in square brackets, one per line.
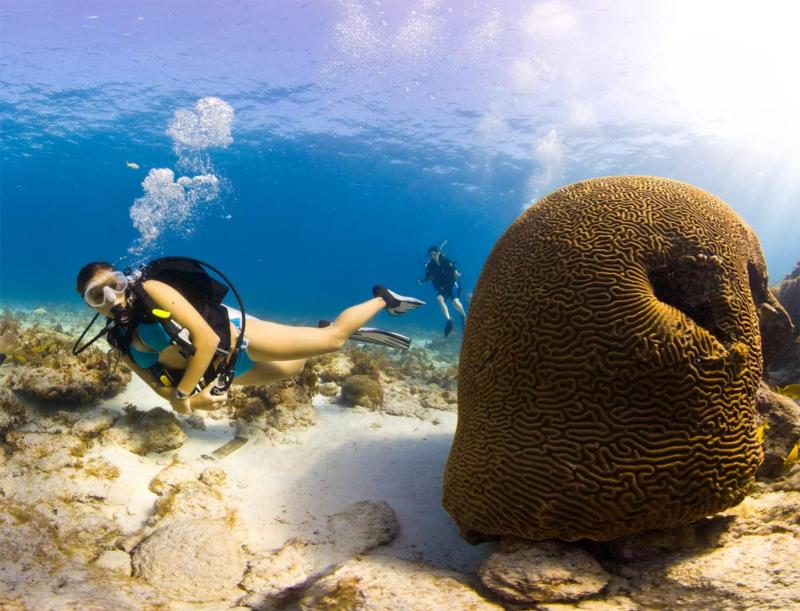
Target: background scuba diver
[443, 275]
[269, 351]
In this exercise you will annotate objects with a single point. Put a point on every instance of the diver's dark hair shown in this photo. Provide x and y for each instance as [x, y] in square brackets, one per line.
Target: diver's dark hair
[88, 271]
[433, 249]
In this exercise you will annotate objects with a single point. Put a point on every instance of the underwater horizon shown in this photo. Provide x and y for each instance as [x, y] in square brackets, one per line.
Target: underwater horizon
[313, 149]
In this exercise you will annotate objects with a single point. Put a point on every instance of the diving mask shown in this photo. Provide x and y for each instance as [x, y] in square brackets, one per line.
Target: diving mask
[105, 290]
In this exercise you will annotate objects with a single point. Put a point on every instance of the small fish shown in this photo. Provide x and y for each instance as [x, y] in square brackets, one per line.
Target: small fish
[760, 432]
[39, 311]
[792, 391]
[2, 358]
[792, 456]
[131, 165]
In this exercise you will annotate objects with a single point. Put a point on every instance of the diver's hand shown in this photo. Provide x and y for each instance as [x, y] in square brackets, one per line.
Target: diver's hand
[182, 406]
[207, 400]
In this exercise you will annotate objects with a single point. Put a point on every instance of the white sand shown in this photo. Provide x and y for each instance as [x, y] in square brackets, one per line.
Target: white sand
[285, 490]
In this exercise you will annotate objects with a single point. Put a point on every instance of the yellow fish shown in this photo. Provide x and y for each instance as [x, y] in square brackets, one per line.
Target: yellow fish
[792, 456]
[792, 391]
[131, 165]
[760, 432]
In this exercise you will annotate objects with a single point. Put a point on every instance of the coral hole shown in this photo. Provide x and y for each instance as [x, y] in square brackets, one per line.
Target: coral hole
[685, 292]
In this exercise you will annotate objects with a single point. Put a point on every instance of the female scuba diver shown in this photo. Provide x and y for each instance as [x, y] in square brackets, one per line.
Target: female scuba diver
[169, 325]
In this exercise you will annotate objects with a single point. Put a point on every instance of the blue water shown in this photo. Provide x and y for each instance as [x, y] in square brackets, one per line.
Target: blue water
[361, 133]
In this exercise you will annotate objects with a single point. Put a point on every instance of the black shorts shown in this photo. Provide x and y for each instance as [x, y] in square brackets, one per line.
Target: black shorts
[452, 291]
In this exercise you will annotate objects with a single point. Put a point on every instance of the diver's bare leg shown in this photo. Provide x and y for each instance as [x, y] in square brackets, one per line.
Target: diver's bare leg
[267, 373]
[270, 341]
[443, 306]
[457, 304]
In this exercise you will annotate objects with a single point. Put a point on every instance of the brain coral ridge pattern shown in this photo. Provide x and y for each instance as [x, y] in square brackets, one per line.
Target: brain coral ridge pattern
[609, 367]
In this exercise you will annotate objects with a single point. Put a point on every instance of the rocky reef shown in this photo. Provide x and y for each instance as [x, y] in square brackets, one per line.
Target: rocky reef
[784, 369]
[127, 505]
[39, 363]
[416, 383]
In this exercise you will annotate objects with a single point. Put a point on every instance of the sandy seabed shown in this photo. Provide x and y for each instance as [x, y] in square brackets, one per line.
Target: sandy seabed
[288, 488]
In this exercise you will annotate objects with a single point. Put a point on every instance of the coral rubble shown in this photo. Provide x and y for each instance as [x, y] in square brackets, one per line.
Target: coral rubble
[42, 366]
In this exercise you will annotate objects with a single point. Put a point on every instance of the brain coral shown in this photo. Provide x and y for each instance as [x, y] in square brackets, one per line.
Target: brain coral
[609, 367]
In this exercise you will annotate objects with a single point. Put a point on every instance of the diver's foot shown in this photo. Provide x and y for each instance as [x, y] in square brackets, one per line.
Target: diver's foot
[396, 304]
[373, 335]
[448, 328]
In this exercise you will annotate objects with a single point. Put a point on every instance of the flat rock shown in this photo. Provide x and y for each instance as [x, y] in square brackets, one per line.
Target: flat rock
[359, 528]
[543, 572]
[35, 572]
[192, 561]
[390, 584]
[156, 430]
[171, 476]
[754, 572]
[272, 577]
[362, 526]
[46, 451]
[190, 500]
[92, 426]
[763, 514]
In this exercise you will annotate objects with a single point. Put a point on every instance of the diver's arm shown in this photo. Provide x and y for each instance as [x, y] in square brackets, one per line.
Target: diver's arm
[204, 340]
[163, 391]
[427, 276]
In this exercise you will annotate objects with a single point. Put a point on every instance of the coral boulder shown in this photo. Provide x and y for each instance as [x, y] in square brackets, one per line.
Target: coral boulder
[193, 560]
[610, 364]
